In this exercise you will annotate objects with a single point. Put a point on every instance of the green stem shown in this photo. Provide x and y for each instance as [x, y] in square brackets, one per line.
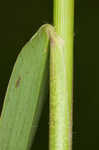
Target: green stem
[61, 77]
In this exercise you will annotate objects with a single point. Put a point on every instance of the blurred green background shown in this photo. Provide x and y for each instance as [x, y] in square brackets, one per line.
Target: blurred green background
[19, 20]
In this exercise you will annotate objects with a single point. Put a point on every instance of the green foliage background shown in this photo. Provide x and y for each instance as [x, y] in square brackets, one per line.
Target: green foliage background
[19, 20]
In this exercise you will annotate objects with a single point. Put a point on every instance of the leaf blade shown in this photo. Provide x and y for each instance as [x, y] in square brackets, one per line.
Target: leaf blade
[23, 98]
